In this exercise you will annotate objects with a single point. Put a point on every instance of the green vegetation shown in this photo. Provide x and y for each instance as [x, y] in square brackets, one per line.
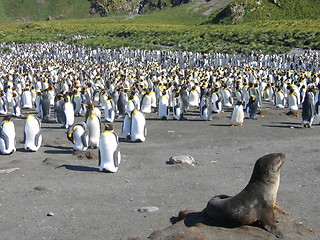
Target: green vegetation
[180, 28]
[36, 10]
[266, 10]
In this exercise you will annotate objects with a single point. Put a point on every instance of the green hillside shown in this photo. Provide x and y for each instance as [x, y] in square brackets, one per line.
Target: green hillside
[188, 27]
[39, 10]
[266, 10]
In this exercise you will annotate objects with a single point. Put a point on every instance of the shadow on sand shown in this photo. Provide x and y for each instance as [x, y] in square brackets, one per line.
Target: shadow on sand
[79, 168]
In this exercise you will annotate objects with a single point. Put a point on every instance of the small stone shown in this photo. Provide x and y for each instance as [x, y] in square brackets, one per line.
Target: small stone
[8, 170]
[182, 159]
[148, 209]
[50, 214]
[40, 189]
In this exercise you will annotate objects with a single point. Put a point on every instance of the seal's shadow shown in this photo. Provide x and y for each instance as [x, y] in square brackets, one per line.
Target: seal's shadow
[192, 218]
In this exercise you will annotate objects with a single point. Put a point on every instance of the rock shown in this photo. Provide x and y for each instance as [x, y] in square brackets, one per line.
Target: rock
[182, 159]
[148, 209]
[40, 189]
[234, 12]
[8, 170]
[50, 214]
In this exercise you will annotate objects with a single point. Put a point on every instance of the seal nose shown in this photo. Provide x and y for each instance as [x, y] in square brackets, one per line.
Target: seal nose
[282, 158]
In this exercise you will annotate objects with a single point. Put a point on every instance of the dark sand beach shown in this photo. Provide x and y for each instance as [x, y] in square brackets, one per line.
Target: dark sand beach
[56, 194]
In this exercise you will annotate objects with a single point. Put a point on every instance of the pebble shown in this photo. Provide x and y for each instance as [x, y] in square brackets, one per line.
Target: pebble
[182, 159]
[148, 209]
[50, 214]
[8, 170]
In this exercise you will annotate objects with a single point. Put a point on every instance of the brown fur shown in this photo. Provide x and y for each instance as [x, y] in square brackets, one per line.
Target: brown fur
[256, 202]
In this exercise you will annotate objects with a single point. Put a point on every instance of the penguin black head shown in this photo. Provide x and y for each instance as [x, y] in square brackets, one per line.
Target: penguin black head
[108, 127]
[7, 117]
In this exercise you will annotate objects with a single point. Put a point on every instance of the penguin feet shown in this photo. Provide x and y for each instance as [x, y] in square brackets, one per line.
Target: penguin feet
[106, 171]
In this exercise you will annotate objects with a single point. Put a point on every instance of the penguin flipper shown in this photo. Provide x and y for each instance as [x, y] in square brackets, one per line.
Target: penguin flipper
[99, 157]
[110, 112]
[36, 139]
[24, 137]
[145, 130]
[116, 154]
[85, 137]
[5, 138]
[63, 116]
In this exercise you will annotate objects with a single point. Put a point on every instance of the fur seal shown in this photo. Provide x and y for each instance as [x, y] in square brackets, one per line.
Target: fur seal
[256, 202]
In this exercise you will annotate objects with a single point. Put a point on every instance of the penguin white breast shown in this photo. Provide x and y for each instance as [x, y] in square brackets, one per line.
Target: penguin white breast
[9, 130]
[108, 149]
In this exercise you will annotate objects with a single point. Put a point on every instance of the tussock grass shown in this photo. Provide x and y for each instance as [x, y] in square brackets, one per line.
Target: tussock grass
[179, 28]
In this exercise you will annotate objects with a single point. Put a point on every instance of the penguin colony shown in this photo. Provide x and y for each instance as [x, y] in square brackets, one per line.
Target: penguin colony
[61, 82]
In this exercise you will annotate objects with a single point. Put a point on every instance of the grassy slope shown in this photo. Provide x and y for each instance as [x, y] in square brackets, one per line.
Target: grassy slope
[178, 28]
[35, 10]
[286, 10]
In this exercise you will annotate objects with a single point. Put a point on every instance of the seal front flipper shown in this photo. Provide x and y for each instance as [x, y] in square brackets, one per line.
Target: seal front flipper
[274, 230]
[269, 223]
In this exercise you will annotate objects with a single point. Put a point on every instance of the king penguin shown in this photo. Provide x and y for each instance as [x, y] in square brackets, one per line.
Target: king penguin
[293, 101]
[109, 151]
[177, 114]
[32, 137]
[94, 126]
[146, 102]
[78, 134]
[163, 106]
[237, 114]
[109, 109]
[252, 108]
[308, 109]
[67, 112]
[280, 100]
[216, 99]
[45, 106]
[206, 107]
[126, 126]
[7, 136]
[138, 130]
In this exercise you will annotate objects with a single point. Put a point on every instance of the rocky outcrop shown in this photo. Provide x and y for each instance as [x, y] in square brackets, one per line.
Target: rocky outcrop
[233, 13]
[105, 7]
